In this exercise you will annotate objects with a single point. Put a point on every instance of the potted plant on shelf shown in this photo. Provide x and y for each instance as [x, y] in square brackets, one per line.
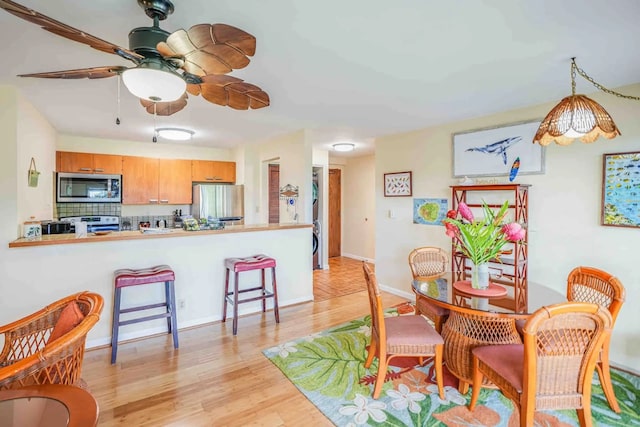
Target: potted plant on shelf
[481, 240]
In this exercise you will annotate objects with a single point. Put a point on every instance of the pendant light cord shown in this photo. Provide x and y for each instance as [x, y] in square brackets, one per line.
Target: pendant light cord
[575, 68]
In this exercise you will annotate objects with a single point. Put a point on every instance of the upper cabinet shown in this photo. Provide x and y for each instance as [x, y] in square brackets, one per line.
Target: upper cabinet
[156, 181]
[213, 171]
[88, 163]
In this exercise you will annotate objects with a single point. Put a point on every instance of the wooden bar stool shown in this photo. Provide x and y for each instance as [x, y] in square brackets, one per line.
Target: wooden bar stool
[130, 277]
[239, 265]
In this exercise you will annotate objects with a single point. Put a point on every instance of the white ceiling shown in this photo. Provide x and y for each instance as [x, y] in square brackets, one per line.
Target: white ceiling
[342, 69]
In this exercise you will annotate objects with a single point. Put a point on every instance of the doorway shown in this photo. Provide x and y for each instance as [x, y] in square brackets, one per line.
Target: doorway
[335, 213]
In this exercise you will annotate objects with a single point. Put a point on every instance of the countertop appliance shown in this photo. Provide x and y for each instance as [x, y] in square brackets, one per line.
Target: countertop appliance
[95, 223]
[219, 203]
[55, 227]
[90, 188]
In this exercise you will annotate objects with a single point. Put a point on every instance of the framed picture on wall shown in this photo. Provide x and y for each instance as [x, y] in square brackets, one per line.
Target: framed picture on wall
[397, 184]
[494, 151]
[621, 189]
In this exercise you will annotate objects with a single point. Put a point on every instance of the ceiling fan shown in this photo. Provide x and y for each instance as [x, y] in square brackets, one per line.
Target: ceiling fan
[167, 65]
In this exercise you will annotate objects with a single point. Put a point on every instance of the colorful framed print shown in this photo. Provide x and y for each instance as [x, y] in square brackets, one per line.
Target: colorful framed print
[621, 189]
[430, 211]
[397, 184]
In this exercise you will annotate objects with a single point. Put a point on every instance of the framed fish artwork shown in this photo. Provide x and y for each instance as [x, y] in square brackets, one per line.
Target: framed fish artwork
[493, 151]
[621, 189]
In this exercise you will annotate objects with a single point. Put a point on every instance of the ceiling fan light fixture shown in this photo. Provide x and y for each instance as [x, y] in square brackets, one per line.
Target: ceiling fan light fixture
[154, 81]
[175, 134]
[344, 146]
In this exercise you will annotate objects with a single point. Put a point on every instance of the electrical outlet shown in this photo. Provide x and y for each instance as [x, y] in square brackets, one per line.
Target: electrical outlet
[181, 304]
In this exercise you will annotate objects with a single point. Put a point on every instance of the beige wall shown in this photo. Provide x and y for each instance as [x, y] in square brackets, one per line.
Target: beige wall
[564, 209]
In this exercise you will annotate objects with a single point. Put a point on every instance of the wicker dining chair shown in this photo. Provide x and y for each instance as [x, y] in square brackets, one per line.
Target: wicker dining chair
[588, 284]
[37, 351]
[399, 336]
[554, 366]
[428, 263]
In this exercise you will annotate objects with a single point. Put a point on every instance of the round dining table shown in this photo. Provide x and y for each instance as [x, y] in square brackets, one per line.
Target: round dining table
[476, 317]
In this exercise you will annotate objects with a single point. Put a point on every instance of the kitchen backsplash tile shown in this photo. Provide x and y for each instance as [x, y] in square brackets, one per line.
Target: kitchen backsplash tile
[133, 222]
[88, 209]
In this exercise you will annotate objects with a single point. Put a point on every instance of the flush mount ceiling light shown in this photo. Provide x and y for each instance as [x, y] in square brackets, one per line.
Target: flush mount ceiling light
[344, 146]
[154, 81]
[577, 116]
[175, 134]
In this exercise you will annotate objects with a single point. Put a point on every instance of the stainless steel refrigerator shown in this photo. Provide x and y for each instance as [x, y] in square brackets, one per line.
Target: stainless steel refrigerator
[219, 202]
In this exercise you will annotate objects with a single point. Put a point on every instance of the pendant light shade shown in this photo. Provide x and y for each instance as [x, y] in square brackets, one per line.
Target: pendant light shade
[576, 116]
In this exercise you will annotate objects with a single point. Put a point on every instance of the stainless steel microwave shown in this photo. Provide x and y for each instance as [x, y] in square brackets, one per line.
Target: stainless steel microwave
[88, 188]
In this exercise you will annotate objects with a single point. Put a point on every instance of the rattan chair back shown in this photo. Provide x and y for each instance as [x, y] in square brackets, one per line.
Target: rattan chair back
[428, 262]
[561, 346]
[409, 335]
[27, 358]
[589, 284]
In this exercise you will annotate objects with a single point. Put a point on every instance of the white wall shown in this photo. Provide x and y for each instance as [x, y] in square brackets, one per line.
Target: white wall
[564, 209]
[359, 214]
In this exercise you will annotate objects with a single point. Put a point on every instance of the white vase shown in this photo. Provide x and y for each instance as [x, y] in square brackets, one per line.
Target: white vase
[480, 276]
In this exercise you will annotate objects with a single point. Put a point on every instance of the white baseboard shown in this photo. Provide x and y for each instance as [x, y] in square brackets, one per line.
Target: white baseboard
[408, 295]
[141, 333]
[359, 258]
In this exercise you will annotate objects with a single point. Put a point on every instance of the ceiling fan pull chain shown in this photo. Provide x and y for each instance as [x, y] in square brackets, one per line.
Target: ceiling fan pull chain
[118, 107]
[155, 128]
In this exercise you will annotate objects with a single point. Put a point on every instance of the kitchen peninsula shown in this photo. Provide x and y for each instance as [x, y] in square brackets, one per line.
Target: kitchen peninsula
[61, 265]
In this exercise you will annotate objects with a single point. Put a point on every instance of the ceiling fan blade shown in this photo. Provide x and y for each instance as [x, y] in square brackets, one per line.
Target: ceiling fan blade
[66, 31]
[210, 49]
[81, 73]
[232, 92]
[165, 108]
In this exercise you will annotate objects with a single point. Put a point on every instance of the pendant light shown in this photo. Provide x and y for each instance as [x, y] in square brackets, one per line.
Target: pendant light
[578, 116]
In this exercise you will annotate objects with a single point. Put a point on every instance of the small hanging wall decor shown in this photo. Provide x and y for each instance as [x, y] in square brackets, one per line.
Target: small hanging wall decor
[33, 174]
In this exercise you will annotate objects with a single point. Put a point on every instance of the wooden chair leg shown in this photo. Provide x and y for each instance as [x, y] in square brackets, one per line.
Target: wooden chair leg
[463, 387]
[477, 384]
[604, 374]
[372, 352]
[116, 325]
[382, 376]
[235, 304]
[274, 286]
[438, 363]
[264, 291]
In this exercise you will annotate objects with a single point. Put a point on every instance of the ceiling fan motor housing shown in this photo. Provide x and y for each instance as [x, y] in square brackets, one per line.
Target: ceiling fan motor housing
[143, 40]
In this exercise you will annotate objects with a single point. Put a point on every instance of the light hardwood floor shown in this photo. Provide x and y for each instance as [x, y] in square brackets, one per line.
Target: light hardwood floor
[215, 379]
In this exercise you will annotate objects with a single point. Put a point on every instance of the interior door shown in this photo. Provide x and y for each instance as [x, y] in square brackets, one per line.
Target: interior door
[274, 194]
[335, 213]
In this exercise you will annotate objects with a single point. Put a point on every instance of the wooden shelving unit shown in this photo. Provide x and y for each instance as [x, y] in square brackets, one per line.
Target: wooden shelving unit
[513, 266]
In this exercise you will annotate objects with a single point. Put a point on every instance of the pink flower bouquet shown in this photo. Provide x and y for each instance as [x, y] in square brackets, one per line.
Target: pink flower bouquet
[481, 240]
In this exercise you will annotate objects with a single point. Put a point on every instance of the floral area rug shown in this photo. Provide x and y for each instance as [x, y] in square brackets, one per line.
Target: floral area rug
[328, 368]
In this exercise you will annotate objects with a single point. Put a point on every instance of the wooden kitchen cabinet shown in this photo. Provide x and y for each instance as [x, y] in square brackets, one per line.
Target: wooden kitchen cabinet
[67, 161]
[213, 171]
[155, 181]
[139, 180]
[174, 182]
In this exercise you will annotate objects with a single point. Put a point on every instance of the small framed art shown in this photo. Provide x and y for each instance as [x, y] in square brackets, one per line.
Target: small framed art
[397, 184]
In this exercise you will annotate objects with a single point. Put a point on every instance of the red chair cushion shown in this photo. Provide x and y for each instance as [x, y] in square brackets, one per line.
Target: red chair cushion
[70, 317]
[505, 360]
[131, 277]
[256, 262]
[410, 335]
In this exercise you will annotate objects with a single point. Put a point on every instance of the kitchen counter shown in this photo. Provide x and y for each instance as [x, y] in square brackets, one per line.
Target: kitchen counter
[58, 265]
[61, 239]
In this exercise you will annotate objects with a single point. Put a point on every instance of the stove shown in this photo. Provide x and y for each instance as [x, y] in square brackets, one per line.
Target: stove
[96, 222]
